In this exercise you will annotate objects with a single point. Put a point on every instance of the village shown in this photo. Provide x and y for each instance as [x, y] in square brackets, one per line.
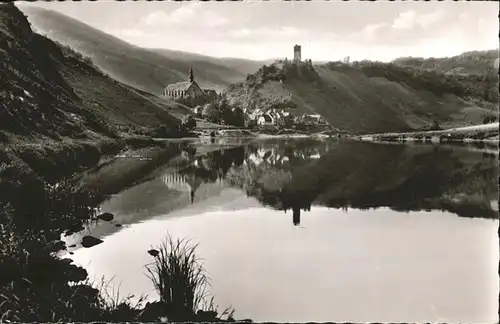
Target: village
[209, 105]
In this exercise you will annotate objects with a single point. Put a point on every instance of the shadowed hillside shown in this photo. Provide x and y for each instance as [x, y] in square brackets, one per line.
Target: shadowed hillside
[145, 69]
[57, 107]
[368, 96]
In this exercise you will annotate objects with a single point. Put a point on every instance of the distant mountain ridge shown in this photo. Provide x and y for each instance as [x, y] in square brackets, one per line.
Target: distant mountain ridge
[472, 62]
[146, 69]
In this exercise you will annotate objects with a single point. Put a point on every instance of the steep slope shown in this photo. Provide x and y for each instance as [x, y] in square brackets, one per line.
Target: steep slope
[365, 96]
[148, 70]
[56, 105]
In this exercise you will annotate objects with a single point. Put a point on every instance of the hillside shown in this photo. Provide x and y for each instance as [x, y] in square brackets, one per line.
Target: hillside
[145, 69]
[56, 105]
[474, 62]
[369, 97]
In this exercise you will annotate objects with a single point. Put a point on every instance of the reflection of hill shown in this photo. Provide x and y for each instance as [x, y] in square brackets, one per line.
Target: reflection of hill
[364, 175]
[296, 174]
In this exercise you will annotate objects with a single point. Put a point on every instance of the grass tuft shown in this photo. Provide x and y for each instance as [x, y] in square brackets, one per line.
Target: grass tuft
[182, 283]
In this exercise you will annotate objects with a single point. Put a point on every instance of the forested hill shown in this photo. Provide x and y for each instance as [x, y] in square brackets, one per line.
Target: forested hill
[474, 62]
[371, 96]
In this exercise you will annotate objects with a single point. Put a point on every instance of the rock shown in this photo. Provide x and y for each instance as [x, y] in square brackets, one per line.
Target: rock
[108, 217]
[154, 252]
[152, 312]
[90, 241]
[75, 228]
[206, 315]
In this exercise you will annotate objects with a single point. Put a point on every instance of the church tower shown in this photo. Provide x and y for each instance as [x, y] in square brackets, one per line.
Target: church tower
[191, 75]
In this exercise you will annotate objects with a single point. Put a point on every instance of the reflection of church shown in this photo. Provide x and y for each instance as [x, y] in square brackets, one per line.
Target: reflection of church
[185, 183]
[296, 216]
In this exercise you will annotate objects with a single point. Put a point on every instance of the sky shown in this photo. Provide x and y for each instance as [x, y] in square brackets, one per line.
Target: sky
[326, 30]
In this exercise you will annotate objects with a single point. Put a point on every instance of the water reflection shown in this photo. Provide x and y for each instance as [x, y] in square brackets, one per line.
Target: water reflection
[233, 200]
[296, 174]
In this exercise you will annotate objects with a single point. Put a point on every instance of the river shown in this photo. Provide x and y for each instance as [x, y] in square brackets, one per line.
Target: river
[308, 230]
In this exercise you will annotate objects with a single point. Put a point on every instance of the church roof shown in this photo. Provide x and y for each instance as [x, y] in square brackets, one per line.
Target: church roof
[182, 86]
[210, 91]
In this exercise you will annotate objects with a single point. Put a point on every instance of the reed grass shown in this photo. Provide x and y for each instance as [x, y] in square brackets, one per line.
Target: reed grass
[182, 283]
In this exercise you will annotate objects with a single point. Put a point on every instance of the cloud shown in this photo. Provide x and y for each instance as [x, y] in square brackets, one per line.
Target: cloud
[245, 33]
[370, 31]
[192, 13]
[411, 19]
[127, 33]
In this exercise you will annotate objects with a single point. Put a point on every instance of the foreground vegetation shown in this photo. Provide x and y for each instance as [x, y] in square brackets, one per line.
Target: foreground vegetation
[59, 116]
[38, 284]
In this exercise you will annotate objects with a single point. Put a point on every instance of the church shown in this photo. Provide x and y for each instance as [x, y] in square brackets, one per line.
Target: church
[185, 89]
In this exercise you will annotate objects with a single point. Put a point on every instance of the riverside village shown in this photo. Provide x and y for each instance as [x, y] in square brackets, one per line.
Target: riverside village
[212, 106]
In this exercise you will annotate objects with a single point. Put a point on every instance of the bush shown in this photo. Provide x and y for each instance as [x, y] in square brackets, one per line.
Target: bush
[188, 123]
[489, 119]
[212, 113]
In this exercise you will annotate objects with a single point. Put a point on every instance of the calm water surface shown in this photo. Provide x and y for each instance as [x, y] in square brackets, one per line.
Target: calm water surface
[316, 231]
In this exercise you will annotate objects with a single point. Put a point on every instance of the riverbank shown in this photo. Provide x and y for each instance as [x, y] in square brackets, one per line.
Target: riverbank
[470, 134]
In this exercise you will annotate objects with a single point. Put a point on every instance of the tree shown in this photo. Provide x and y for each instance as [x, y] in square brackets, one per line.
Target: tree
[227, 114]
[212, 113]
[286, 122]
[188, 123]
[238, 117]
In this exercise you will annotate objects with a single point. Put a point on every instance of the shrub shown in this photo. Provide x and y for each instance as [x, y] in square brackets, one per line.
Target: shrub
[489, 119]
[188, 123]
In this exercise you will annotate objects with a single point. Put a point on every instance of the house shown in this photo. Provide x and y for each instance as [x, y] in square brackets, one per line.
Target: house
[276, 115]
[270, 117]
[254, 115]
[312, 119]
[210, 94]
[188, 89]
[265, 119]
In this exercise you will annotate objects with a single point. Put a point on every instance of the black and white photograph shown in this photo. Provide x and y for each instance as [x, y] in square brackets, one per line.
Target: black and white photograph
[249, 161]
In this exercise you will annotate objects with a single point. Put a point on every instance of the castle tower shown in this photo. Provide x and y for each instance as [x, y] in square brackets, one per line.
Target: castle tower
[297, 53]
[191, 75]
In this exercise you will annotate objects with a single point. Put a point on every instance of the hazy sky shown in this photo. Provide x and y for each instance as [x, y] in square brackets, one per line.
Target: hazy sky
[327, 30]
